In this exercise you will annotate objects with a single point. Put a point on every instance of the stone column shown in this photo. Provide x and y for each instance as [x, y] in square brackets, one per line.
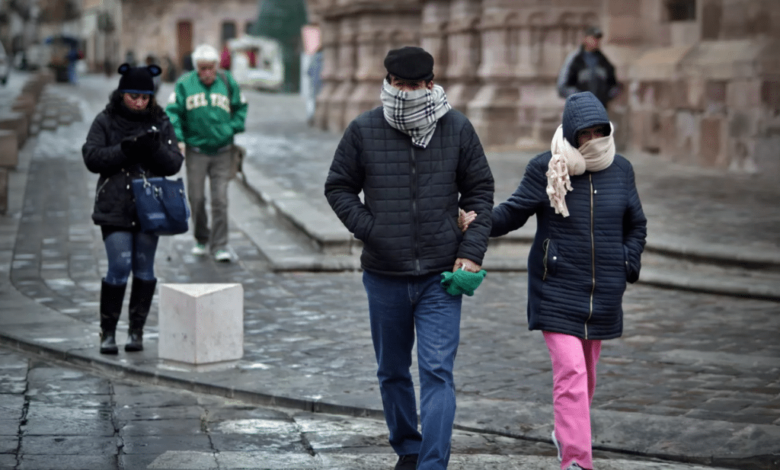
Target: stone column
[373, 42]
[435, 15]
[545, 39]
[366, 31]
[464, 52]
[345, 74]
[494, 107]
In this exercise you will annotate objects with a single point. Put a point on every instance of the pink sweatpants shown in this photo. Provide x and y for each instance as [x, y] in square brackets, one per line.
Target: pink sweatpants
[574, 381]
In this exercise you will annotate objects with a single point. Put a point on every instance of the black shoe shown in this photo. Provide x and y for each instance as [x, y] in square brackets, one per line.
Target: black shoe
[406, 462]
[135, 341]
[108, 342]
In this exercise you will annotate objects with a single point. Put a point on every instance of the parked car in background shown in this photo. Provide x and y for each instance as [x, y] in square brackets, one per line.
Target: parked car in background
[5, 65]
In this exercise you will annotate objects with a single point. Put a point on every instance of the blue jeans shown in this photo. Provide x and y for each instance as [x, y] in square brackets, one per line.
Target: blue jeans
[130, 251]
[397, 307]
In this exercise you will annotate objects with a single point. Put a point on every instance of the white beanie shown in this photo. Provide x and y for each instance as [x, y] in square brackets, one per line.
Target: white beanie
[204, 53]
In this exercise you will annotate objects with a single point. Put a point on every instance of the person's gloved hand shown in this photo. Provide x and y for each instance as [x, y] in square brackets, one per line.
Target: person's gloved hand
[143, 145]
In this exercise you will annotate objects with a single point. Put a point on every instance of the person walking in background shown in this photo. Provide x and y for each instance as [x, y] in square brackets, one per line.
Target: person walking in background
[207, 109]
[590, 234]
[130, 138]
[186, 63]
[130, 58]
[150, 60]
[315, 77]
[416, 161]
[224, 57]
[588, 69]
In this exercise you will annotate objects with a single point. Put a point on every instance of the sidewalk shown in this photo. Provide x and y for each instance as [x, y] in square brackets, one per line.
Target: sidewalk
[694, 379]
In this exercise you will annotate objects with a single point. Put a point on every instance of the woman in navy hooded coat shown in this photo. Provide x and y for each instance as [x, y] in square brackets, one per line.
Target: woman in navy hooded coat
[589, 240]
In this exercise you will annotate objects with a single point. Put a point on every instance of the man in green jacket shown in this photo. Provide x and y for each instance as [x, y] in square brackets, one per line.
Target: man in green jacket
[207, 109]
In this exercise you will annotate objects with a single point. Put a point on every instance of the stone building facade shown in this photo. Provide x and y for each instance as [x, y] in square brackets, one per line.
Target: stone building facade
[173, 28]
[701, 77]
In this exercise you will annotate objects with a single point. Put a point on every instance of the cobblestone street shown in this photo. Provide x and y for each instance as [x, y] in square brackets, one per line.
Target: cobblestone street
[695, 378]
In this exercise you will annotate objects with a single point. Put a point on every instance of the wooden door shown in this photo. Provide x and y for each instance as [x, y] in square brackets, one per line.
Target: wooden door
[184, 41]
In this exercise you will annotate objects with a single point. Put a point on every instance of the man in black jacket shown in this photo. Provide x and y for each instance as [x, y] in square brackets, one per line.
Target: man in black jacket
[417, 162]
[588, 69]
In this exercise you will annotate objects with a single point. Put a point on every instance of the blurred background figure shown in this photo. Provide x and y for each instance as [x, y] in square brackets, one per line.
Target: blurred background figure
[130, 58]
[187, 65]
[588, 69]
[224, 57]
[315, 84]
[157, 79]
[169, 69]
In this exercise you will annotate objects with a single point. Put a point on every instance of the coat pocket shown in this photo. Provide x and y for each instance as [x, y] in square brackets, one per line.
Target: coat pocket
[632, 270]
[550, 259]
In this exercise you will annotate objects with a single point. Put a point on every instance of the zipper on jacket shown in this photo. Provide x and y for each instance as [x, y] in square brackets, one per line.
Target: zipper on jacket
[413, 177]
[592, 256]
[544, 260]
[97, 193]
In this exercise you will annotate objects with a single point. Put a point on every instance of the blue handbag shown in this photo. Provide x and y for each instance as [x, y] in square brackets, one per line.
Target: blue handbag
[161, 205]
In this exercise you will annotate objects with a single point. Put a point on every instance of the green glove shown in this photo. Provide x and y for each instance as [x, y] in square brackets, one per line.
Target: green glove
[462, 281]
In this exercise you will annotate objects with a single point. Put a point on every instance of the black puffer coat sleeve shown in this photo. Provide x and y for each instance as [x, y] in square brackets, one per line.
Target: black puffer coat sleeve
[527, 199]
[167, 160]
[345, 182]
[634, 231]
[99, 155]
[476, 187]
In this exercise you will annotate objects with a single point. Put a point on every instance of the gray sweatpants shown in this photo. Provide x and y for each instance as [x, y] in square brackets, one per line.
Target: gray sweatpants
[217, 168]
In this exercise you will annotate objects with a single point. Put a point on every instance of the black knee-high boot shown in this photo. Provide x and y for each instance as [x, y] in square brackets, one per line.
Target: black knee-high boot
[140, 301]
[111, 297]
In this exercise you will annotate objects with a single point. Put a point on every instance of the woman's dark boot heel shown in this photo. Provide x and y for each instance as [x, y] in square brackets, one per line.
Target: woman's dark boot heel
[135, 341]
[111, 297]
[141, 296]
[108, 342]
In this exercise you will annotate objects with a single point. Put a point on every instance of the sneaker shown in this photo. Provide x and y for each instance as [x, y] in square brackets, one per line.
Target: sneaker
[574, 466]
[199, 249]
[222, 255]
[555, 441]
[406, 462]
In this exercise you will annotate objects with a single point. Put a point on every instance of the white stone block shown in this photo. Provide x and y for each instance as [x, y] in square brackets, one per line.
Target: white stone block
[201, 323]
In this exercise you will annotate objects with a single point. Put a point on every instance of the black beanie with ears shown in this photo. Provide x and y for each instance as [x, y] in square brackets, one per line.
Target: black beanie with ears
[137, 79]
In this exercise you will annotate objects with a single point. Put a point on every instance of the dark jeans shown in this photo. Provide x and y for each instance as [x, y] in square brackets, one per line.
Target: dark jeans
[130, 252]
[397, 307]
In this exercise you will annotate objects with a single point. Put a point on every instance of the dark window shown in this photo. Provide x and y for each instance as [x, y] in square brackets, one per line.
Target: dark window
[228, 30]
[681, 10]
[248, 27]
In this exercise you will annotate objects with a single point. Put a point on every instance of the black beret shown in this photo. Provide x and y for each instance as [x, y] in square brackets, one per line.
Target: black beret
[410, 63]
[137, 79]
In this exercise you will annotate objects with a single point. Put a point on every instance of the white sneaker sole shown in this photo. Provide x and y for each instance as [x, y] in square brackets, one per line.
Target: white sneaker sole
[555, 441]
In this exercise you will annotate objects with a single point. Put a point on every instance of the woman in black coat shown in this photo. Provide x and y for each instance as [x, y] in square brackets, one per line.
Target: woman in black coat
[131, 137]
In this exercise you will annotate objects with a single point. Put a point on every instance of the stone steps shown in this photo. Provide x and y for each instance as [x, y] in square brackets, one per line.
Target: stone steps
[313, 239]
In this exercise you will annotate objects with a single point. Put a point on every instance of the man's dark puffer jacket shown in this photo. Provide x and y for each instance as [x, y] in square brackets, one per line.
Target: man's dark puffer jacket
[114, 201]
[578, 266]
[408, 223]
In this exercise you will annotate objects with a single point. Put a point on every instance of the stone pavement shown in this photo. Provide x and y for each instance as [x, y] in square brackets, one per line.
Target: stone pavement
[56, 416]
[694, 379]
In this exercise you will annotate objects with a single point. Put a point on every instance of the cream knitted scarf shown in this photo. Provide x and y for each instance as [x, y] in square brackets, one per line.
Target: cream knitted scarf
[595, 155]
